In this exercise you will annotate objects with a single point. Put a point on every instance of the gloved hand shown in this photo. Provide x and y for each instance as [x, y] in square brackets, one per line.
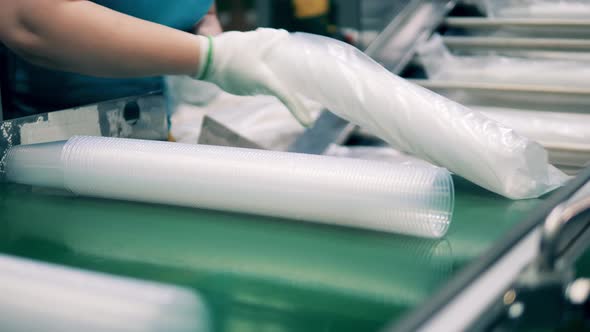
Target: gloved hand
[236, 62]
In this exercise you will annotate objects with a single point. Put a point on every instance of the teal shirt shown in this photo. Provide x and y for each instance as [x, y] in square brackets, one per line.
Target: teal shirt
[37, 90]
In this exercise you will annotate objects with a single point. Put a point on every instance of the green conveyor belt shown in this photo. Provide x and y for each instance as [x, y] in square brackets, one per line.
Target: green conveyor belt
[257, 273]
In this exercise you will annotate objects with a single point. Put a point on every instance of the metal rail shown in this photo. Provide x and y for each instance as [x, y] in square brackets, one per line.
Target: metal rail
[501, 87]
[499, 43]
[485, 23]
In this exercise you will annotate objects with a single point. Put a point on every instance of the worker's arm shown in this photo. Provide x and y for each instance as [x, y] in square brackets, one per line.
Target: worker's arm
[83, 37]
[209, 25]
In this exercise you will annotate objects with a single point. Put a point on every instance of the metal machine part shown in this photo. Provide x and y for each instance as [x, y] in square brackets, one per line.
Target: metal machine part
[513, 43]
[557, 239]
[546, 294]
[569, 92]
[215, 133]
[131, 117]
[525, 96]
[532, 263]
[485, 23]
[328, 129]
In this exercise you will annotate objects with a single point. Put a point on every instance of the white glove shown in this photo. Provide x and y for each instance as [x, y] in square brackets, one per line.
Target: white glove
[236, 62]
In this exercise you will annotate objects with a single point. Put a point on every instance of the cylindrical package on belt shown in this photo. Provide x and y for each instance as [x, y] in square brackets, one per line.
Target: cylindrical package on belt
[43, 297]
[411, 118]
[350, 192]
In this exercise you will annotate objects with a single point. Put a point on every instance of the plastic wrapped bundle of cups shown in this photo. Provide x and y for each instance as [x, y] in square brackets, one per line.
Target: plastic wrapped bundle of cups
[412, 200]
[43, 297]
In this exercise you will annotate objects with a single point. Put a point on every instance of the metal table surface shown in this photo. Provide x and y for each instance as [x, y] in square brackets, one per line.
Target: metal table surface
[257, 273]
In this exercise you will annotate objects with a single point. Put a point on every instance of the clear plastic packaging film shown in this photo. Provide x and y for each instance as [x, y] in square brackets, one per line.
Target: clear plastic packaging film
[441, 64]
[554, 130]
[349, 192]
[43, 297]
[566, 136]
[381, 153]
[566, 9]
[413, 119]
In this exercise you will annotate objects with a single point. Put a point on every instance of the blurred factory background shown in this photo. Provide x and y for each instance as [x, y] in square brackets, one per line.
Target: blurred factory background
[336, 18]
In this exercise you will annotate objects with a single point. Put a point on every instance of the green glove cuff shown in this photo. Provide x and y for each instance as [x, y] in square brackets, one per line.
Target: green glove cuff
[209, 59]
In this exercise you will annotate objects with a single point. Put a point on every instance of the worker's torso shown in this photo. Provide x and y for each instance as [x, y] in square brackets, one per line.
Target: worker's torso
[36, 90]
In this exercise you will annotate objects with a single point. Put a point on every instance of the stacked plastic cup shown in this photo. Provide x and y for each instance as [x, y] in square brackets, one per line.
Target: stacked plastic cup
[414, 200]
[43, 297]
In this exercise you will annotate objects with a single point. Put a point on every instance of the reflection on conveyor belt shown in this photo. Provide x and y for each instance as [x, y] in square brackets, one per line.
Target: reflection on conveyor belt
[470, 239]
[265, 271]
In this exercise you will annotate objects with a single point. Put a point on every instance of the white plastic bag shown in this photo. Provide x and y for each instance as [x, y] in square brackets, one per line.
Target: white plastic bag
[440, 64]
[185, 90]
[413, 119]
[261, 119]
